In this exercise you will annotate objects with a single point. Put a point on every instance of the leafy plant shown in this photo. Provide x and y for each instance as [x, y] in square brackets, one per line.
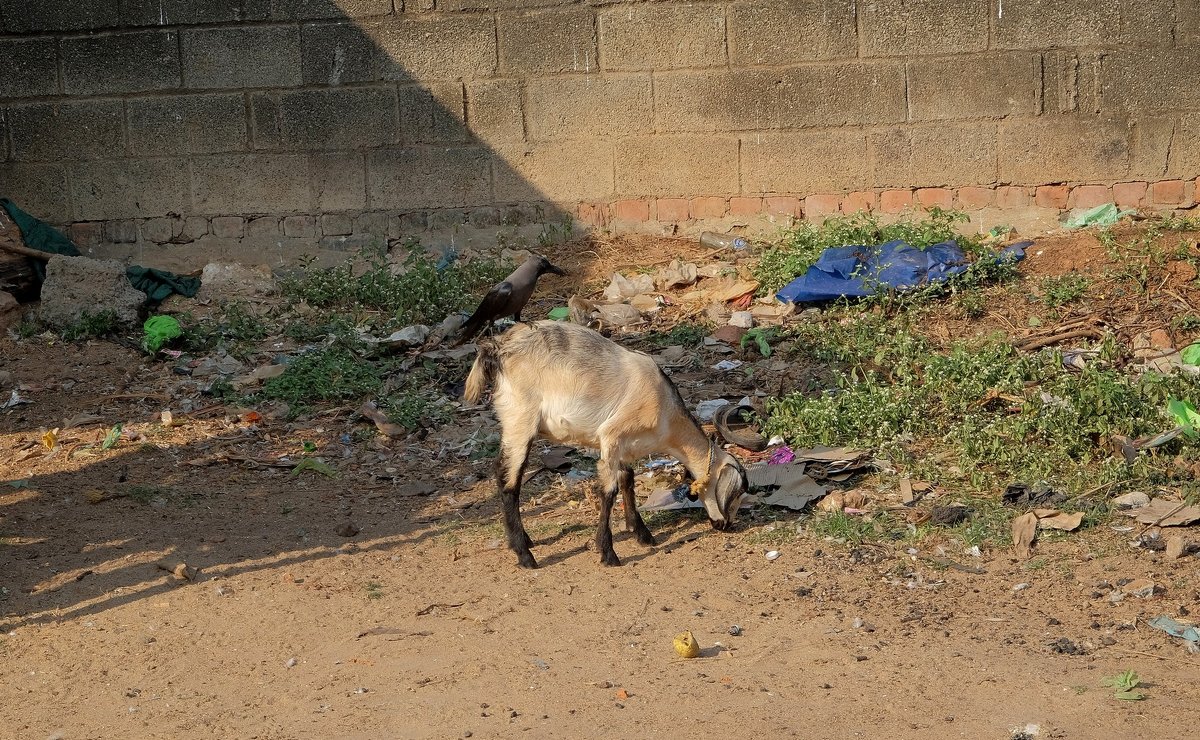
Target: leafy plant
[91, 325]
[316, 465]
[331, 374]
[111, 439]
[1063, 289]
[1126, 684]
[760, 338]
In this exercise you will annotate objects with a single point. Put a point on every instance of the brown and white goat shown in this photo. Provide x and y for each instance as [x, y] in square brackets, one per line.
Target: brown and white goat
[569, 384]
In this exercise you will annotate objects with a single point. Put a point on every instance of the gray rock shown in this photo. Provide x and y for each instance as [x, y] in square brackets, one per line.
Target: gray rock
[77, 284]
[225, 281]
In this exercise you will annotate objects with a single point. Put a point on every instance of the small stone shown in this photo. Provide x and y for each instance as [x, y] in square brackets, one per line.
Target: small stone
[1140, 588]
[1020, 587]
[347, 529]
[291, 662]
[742, 319]
[1135, 500]
[1175, 547]
[735, 630]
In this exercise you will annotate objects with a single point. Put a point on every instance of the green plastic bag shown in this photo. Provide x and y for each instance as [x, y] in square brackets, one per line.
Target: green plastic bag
[1185, 415]
[562, 313]
[1105, 215]
[1191, 354]
[160, 330]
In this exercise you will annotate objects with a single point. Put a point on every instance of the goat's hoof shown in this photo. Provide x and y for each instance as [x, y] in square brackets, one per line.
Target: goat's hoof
[645, 538]
[525, 560]
[610, 559]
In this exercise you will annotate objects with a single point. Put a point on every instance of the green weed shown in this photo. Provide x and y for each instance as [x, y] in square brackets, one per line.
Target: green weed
[91, 326]
[334, 373]
[1126, 684]
[1063, 289]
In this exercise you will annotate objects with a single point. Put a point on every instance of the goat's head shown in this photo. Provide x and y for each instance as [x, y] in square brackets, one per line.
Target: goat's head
[723, 489]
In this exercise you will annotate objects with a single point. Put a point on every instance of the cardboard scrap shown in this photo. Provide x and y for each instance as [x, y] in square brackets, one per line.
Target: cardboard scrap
[1024, 531]
[1162, 513]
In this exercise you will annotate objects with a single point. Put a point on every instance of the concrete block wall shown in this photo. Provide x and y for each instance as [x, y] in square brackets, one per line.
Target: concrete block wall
[173, 120]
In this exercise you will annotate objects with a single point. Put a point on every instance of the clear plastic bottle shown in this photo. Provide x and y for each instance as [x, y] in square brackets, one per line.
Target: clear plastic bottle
[722, 241]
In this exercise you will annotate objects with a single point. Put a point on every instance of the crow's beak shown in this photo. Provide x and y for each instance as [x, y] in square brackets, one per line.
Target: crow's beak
[557, 270]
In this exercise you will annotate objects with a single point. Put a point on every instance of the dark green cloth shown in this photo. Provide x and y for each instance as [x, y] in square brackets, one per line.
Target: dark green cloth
[156, 284]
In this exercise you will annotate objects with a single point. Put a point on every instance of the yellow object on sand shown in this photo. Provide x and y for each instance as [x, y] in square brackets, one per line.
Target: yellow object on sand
[686, 645]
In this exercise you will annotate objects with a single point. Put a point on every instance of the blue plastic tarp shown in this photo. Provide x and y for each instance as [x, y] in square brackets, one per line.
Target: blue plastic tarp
[859, 271]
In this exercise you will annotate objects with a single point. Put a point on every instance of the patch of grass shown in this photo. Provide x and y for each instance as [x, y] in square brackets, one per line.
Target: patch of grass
[1126, 684]
[91, 326]
[1059, 290]
[687, 334]
[334, 373]
[235, 329]
[802, 245]
[374, 590]
[977, 415]
[415, 292]
[1185, 322]
[851, 529]
[773, 535]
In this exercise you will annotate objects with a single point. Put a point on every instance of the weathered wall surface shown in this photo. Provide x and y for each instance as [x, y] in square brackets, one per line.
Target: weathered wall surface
[165, 120]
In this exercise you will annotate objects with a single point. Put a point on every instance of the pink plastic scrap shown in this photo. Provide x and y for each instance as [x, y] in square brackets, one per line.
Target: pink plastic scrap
[781, 456]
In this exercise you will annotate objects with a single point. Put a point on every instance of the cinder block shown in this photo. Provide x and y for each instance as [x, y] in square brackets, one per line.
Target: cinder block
[3, 135]
[457, 5]
[783, 205]
[934, 155]
[187, 124]
[822, 205]
[1030, 24]
[833, 160]
[585, 107]
[939, 197]
[162, 230]
[447, 218]
[911, 27]
[440, 48]
[547, 42]
[336, 224]
[494, 110]
[1153, 141]
[863, 200]
[662, 36]
[1167, 192]
[554, 170]
[236, 58]
[671, 210]
[300, 227]
[124, 231]
[86, 233]
[1070, 81]
[631, 209]
[129, 188]
[676, 165]
[313, 9]
[1010, 196]
[708, 207]
[264, 226]
[433, 113]
[1129, 194]
[28, 68]
[339, 181]
[745, 206]
[1188, 28]
[1052, 196]
[228, 227]
[429, 177]
[190, 12]
[832, 94]
[404, 224]
[23, 16]
[371, 222]
[895, 201]
[56, 131]
[483, 218]
[1062, 149]
[1184, 160]
[140, 61]
[769, 32]
[195, 227]
[325, 119]
[1150, 80]
[251, 183]
[1089, 196]
[974, 198]
[591, 215]
[336, 53]
[990, 86]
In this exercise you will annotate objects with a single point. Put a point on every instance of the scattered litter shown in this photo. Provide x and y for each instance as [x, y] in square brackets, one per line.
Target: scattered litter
[1185, 415]
[727, 365]
[735, 630]
[860, 271]
[158, 331]
[839, 501]
[265, 372]
[621, 288]
[950, 515]
[1140, 588]
[14, 400]
[686, 645]
[1190, 355]
[735, 424]
[706, 409]
[722, 241]
[619, 314]
[1175, 628]
[1162, 513]
[678, 274]
[559, 313]
[742, 319]
[772, 555]
[558, 458]
[1102, 215]
[787, 486]
[1051, 519]
[1039, 494]
[1024, 532]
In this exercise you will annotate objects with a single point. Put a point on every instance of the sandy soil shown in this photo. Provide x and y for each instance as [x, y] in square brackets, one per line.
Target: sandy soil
[421, 625]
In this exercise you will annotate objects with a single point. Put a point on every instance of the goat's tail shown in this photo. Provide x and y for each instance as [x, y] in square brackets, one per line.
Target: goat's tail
[483, 372]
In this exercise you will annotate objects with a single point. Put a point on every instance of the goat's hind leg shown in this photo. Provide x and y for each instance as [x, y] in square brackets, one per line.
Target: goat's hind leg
[609, 481]
[510, 467]
[633, 518]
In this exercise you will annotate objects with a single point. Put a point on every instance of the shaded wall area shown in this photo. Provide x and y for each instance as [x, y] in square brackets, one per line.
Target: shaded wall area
[167, 120]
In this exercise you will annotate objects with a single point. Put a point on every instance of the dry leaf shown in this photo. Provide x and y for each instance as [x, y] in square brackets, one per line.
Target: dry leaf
[1060, 520]
[1024, 531]
[832, 503]
[1172, 513]
[906, 491]
[50, 439]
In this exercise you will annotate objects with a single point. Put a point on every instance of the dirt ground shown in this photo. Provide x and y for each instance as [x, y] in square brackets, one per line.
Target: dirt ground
[420, 625]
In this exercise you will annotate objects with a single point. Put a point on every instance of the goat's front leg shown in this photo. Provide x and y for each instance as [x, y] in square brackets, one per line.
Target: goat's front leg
[609, 479]
[633, 518]
[510, 467]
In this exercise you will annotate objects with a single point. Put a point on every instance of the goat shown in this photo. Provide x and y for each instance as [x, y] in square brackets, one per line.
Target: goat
[569, 384]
